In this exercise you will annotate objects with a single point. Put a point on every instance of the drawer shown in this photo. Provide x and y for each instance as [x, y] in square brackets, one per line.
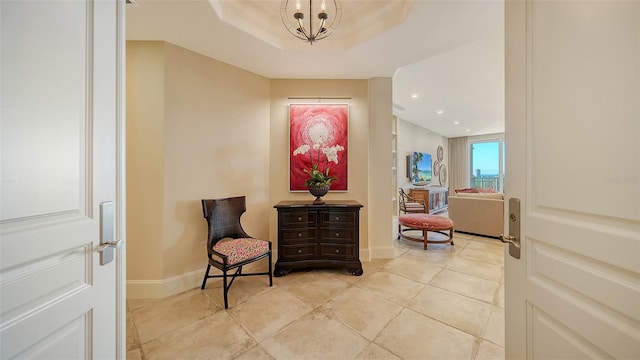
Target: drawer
[297, 252]
[338, 251]
[298, 235]
[339, 235]
[298, 218]
[339, 218]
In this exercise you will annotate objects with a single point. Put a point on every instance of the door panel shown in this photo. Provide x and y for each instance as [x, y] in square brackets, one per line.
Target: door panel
[67, 342]
[66, 273]
[44, 75]
[60, 110]
[554, 340]
[572, 110]
[584, 104]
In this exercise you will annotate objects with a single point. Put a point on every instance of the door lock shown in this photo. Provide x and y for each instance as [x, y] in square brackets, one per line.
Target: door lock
[513, 239]
[107, 233]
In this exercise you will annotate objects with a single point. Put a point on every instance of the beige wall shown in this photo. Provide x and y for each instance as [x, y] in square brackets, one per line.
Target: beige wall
[357, 92]
[380, 164]
[200, 128]
[209, 126]
[145, 159]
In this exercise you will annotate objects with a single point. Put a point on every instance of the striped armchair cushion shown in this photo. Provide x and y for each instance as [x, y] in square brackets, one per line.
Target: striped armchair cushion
[411, 205]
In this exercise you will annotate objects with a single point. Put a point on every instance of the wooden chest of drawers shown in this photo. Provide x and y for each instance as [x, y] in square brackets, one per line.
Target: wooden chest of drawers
[436, 197]
[324, 235]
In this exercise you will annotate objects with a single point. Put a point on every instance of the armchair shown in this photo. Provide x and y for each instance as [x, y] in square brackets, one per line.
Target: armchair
[229, 247]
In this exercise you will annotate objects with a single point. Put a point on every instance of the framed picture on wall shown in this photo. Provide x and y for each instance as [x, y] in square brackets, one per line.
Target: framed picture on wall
[318, 137]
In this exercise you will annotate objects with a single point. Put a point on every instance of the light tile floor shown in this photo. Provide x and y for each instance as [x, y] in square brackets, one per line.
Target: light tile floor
[443, 303]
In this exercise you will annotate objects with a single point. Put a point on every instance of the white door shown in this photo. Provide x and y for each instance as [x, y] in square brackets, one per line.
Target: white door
[573, 160]
[60, 73]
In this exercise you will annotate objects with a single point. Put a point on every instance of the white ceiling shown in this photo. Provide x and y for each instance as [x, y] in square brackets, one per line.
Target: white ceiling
[449, 53]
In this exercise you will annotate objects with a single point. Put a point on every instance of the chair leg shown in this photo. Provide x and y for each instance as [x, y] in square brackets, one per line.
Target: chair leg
[225, 289]
[424, 236]
[206, 276]
[227, 284]
[270, 272]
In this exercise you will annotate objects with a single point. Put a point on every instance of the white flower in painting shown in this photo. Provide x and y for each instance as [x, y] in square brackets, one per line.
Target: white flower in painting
[301, 150]
[332, 153]
[317, 137]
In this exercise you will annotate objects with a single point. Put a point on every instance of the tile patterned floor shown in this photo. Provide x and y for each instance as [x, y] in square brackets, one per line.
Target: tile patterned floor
[443, 303]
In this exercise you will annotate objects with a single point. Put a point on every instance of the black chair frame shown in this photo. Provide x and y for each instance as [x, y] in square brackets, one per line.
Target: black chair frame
[223, 219]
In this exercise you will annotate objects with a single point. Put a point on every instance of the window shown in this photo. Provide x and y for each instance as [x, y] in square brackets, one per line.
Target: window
[487, 164]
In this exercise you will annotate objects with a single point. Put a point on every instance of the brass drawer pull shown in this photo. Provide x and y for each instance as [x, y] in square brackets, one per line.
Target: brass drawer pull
[337, 234]
[299, 218]
[299, 251]
[299, 234]
[337, 218]
[337, 251]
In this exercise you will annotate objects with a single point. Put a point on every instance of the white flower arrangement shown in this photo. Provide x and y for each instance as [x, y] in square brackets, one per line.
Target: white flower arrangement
[317, 176]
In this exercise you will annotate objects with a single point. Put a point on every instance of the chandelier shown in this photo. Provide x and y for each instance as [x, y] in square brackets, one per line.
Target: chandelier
[303, 25]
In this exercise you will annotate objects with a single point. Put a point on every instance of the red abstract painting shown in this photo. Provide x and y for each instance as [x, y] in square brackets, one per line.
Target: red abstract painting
[318, 135]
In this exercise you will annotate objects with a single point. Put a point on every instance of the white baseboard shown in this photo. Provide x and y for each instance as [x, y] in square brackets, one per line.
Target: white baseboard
[155, 289]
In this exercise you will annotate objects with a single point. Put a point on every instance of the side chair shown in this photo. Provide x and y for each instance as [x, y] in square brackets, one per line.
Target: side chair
[229, 247]
[410, 205]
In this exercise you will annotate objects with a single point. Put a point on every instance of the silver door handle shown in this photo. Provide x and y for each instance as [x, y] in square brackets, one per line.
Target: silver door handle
[510, 240]
[107, 233]
[109, 244]
[513, 239]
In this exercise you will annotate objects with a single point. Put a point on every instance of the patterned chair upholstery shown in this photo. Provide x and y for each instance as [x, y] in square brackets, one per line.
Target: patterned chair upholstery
[228, 245]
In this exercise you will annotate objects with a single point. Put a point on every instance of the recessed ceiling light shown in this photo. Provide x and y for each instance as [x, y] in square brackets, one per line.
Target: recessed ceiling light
[440, 112]
[467, 130]
[456, 122]
[414, 96]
